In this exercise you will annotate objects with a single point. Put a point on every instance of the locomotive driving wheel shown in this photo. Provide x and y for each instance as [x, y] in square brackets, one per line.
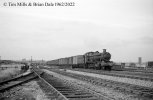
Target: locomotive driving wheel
[98, 66]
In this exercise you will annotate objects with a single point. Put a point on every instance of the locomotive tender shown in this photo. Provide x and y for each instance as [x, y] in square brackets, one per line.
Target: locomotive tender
[95, 60]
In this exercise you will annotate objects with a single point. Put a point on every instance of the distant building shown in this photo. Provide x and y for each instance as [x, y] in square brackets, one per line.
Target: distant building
[140, 60]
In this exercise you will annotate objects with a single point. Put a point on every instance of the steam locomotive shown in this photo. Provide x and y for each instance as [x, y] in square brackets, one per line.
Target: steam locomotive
[95, 60]
[98, 60]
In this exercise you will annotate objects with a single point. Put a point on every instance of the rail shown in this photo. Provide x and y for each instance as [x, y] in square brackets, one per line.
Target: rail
[8, 84]
[60, 96]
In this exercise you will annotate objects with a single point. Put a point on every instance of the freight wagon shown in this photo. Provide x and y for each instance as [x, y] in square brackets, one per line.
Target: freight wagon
[70, 61]
[78, 61]
[53, 62]
[63, 61]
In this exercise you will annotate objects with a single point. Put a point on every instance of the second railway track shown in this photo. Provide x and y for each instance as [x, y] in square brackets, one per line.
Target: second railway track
[141, 76]
[8, 84]
[61, 89]
[139, 91]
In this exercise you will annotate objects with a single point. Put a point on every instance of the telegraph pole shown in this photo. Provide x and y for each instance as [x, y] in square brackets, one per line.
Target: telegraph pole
[31, 60]
[0, 60]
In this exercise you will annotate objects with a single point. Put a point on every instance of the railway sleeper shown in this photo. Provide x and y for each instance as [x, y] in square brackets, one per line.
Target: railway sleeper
[60, 87]
[79, 96]
[67, 93]
[64, 89]
[92, 98]
[75, 93]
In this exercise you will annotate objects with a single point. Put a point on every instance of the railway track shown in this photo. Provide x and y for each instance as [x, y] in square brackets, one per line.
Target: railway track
[139, 91]
[8, 84]
[140, 76]
[148, 70]
[61, 89]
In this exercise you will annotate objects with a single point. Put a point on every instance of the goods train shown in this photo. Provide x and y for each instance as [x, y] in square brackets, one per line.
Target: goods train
[94, 60]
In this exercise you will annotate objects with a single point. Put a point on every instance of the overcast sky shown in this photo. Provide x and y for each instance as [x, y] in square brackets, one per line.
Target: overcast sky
[123, 27]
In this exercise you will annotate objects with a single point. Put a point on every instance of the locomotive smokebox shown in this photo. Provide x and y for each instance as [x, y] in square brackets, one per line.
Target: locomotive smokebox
[104, 50]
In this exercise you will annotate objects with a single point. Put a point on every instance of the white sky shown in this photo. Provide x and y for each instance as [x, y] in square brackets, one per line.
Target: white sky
[123, 27]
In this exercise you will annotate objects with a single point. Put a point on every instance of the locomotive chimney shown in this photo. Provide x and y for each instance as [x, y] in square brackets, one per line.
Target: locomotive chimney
[104, 50]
